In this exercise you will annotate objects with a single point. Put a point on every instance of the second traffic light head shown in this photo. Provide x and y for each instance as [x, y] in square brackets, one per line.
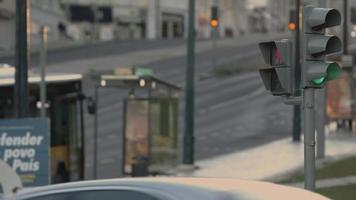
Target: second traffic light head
[278, 76]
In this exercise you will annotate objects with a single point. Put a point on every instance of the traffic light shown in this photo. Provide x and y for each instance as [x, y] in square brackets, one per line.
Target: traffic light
[214, 22]
[278, 77]
[317, 45]
[292, 25]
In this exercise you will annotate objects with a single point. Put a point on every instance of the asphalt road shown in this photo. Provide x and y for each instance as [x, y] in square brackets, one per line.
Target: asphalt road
[233, 113]
[96, 50]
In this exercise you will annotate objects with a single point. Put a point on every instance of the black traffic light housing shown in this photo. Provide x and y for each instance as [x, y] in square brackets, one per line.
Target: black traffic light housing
[214, 21]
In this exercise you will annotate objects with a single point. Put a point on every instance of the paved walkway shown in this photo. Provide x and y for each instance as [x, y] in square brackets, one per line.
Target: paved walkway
[271, 161]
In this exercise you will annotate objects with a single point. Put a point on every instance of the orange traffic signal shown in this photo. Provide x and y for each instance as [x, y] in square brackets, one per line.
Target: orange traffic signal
[214, 23]
[292, 26]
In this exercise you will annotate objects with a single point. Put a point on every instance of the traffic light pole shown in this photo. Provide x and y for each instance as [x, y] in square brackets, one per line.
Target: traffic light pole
[346, 52]
[188, 150]
[96, 131]
[43, 61]
[320, 114]
[214, 50]
[309, 138]
[346, 27]
[21, 60]
[214, 38]
[296, 108]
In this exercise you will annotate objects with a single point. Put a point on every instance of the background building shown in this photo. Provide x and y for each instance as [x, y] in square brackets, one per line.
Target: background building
[278, 14]
[88, 20]
[42, 12]
[49, 13]
[7, 24]
[125, 19]
[233, 17]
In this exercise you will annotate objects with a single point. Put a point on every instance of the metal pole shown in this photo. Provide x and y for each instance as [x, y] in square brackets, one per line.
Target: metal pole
[22, 56]
[96, 130]
[82, 135]
[297, 75]
[95, 35]
[158, 19]
[320, 123]
[214, 50]
[188, 150]
[321, 113]
[346, 52]
[43, 61]
[214, 39]
[309, 139]
[346, 27]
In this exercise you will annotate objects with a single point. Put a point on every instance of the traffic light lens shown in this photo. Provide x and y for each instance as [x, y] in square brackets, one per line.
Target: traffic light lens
[292, 26]
[334, 71]
[214, 23]
[319, 81]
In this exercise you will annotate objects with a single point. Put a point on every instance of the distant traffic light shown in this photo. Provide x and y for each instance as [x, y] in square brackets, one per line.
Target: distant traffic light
[317, 45]
[278, 76]
[292, 26]
[214, 22]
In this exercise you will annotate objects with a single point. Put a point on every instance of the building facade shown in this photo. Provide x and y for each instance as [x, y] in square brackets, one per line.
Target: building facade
[279, 14]
[152, 19]
[126, 19]
[42, 12]
[50, 14]
[88, 20]
[7, 24]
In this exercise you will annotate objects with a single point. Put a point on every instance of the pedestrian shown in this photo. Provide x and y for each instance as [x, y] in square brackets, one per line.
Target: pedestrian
[62, 174]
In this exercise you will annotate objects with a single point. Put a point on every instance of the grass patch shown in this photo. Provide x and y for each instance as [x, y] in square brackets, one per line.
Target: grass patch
[339, 193]
[337, 169]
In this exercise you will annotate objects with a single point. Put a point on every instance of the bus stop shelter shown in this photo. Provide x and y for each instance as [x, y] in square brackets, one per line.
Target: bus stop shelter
[150, 122]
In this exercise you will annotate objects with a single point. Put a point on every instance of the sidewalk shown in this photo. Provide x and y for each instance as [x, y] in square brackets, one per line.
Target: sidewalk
[272, 161]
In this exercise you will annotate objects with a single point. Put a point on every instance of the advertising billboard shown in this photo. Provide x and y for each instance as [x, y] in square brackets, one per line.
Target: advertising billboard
[24, 146]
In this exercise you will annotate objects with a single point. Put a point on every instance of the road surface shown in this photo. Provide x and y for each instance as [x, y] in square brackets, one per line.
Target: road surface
[232, 113]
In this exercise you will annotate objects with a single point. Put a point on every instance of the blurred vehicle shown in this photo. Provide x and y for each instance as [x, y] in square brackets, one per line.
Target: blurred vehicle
[168, 188]
[65, 109]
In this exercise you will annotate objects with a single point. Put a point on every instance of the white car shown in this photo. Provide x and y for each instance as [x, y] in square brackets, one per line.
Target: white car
[168, 188]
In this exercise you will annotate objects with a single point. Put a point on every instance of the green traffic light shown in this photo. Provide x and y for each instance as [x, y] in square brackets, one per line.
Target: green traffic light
[319, 81]
[333, 72]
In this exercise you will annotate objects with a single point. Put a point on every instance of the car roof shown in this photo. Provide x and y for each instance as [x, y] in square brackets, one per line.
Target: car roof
[185, 188]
